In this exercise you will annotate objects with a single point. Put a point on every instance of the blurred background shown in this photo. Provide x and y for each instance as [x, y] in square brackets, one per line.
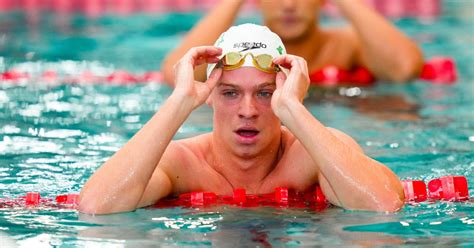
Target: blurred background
[73, 91]
[135, 35]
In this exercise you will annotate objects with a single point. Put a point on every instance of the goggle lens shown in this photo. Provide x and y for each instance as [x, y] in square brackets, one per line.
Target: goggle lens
[232, 58]
[263, 62]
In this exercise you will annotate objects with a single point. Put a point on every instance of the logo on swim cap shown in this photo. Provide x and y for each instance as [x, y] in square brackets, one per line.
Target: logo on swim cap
[249, 45]
[280, 50]
[252, 38]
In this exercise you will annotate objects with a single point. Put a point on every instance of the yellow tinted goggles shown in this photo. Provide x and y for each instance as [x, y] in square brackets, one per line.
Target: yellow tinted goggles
[234, 60]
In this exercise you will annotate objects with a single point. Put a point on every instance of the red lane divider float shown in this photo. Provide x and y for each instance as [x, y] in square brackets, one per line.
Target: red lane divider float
[446, 188]
[86, 77]
[333, 76]
[439, 70]
[14, 76]
[34, 200]
[282, 197]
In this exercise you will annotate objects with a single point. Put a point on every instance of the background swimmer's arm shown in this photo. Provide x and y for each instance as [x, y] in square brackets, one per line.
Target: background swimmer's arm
[205, 33]
[351, 179]
[119, 184]
[385, 50]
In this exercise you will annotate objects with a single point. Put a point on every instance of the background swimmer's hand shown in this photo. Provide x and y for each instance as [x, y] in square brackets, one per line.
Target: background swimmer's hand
[188, 90]
[290, 89]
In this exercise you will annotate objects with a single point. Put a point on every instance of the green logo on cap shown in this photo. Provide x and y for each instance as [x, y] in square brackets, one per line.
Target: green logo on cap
[280, 50]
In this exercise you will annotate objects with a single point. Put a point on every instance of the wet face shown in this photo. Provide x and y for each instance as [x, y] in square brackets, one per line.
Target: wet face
[292, 20]
[244, 121]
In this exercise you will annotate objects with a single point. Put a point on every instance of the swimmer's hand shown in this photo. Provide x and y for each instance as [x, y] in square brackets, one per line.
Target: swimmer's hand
[291, 89]
[188, 90]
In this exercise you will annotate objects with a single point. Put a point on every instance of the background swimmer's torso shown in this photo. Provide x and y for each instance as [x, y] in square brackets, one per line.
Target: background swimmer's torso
[52, 137]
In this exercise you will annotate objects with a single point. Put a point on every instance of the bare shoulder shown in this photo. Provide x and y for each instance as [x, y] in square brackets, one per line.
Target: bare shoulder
[183, 160]
[342, 34]
[350, 36]
[295, 169]
[187, 149]
[340, 47]
[345, 32]
[294, 149]
[348, 140]
[181, 154]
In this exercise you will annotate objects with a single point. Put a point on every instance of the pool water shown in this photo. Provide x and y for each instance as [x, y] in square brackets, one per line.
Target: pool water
[54, 136]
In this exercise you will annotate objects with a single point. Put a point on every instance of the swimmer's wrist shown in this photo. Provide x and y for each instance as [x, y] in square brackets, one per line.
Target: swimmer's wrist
[287, 110]
[184, 103]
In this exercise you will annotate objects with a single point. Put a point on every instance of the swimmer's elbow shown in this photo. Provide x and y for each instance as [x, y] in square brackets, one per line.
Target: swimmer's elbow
[408, 68]
[90, 207]
[96, 205]
[94, 209]
[394, 202]
[392, 206]
[87, 208]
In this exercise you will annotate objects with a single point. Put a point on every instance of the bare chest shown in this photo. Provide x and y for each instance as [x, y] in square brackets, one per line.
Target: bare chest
[294, 172]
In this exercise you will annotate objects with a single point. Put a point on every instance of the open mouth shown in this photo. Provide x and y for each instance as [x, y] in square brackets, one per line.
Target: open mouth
[247, 132]
[290, 19]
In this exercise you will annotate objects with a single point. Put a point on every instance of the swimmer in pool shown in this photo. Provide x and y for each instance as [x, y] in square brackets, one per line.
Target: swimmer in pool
[370, 41]
[254, 88]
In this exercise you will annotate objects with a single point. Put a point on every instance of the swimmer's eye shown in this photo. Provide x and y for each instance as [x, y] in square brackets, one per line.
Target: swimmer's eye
[265, 94]
[230, 93]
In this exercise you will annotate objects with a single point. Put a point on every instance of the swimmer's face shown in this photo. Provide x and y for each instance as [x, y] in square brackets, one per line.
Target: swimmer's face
[243, 117]
[291, 19]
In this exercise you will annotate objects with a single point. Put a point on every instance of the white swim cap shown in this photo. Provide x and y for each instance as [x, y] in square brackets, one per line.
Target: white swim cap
[251, 38]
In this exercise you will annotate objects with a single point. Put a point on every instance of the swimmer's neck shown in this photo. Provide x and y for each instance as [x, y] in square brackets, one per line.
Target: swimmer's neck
[245, 172]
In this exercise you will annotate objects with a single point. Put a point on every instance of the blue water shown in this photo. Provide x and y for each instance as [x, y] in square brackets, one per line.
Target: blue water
[54, 136]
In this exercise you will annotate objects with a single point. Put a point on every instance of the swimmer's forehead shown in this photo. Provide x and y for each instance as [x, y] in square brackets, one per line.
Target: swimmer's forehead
[264, 84]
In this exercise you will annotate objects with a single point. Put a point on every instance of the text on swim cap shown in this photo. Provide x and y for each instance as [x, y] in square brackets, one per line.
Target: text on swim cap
[249, 45]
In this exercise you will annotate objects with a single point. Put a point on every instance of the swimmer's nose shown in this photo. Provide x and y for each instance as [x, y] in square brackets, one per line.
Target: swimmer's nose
[248, 108]
[288, 4]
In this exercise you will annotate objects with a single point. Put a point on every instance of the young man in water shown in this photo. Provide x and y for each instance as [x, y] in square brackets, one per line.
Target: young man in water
[370, 41]
[255, 88]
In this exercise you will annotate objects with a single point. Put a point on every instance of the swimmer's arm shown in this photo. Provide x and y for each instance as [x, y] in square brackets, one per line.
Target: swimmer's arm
[352, 179]
[205, 32]
[385, 50]
[161, 183]
[119, 184]
[159, 186]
